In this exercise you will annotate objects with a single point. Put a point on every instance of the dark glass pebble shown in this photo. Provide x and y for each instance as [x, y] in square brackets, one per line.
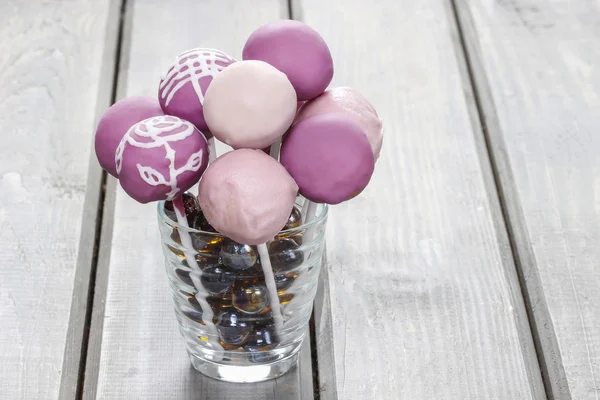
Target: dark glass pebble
[233, 328]
[250, 298]
[261, 339]
[201, 223]
[284, 255]
[195, 316]
[294, 220]
[184, 276]
[238, 256]
[264, 319]
[284, 281]
[190, 203]
[217, 279]
[285, 298]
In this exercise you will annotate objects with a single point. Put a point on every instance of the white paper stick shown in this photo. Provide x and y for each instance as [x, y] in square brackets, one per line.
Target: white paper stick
[275, 147]
[265, 261]
[195, 275]
[212, 150]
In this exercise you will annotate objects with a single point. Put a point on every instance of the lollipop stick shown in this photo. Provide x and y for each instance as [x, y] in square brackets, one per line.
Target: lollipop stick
[212, 150]
[196, 274]
[275, 147]
[265, 261]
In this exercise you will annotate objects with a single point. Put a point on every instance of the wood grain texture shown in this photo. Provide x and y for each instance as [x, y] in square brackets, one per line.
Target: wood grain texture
[136, 351]
[535, 65]
[54, 57]
[424, 297]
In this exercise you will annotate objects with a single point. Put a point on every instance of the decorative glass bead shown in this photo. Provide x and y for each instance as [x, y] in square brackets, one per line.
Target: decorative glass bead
[217, 279]
[201, 223]
[294, 220]
[190, 204]
[238, 256]
[233, 328]
[284, 255]
[250, 298]
[262, 339]
[284, 281]
[285, 298]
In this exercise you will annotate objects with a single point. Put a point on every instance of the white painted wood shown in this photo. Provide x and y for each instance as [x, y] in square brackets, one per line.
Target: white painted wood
[54, 55]
[424, 297]
[535, 64]
[140, 354]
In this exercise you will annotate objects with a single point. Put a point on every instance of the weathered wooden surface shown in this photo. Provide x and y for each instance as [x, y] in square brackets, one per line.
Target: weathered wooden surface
[425, 299]
[535, 63]
[136, 351]
[55, 56]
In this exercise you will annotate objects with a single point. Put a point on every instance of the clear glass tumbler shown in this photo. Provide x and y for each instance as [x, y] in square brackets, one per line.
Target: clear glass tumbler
[225, 304]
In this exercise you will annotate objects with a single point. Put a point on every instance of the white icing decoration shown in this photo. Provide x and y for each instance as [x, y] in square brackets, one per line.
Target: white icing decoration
[158, 132]
[265, 261]
[191, 66]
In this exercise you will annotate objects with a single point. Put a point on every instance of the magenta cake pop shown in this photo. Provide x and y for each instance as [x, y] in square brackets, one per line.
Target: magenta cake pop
[329, 156]
[115, 123]
[295, 49]
[182, 89]
[247, 195]
[347, 101]
[160, 158]
[249, 105]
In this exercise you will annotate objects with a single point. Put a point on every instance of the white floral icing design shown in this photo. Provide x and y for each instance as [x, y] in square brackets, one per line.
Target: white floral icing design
[191, 66]
[160, 132]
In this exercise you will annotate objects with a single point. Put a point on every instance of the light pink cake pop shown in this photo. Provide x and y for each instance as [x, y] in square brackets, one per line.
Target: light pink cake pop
[250, 105]
[182, 89]
[115, 123]
[352, 104]
[160, 158]
[247, 196]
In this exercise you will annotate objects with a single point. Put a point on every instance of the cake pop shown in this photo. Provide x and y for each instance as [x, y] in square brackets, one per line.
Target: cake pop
[160, 158]
[329, 157]
[247, 196]
[115, 123]
[347, 101]
[249, 105]
[295, 49]
[182, 88]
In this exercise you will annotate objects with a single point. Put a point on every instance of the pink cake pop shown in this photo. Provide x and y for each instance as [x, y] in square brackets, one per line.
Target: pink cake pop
[160, 158]
[295, 49]
[115, 123]
[329, 156]
[249, 105]
[354, 105]
[182, 89]
[247, 196]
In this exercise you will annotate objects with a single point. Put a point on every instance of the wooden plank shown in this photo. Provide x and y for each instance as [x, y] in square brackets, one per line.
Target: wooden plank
[54, 57]
[424, 297]
[535, 64]
[135, 349]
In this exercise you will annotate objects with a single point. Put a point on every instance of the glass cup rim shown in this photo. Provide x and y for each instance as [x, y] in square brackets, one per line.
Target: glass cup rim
[164, 218]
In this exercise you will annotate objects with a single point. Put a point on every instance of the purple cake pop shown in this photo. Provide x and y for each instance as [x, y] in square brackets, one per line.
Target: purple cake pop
[329, 156]
[115, 123]
[295, 49]
[160, 158]
[182, 88]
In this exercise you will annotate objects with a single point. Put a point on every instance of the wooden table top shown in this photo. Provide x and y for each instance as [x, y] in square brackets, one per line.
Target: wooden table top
[468, 269]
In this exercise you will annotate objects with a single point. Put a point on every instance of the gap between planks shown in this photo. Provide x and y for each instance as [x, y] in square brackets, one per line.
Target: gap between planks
[484, 119]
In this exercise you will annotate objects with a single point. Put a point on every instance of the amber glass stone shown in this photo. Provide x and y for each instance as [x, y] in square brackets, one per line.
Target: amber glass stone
[238, 256]
[190, 203]
[217, 279]
[285, 298]
[261, 339]
[294, 220]
[250, 298]
[233, 328]
[284, 255]
[285, 280]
